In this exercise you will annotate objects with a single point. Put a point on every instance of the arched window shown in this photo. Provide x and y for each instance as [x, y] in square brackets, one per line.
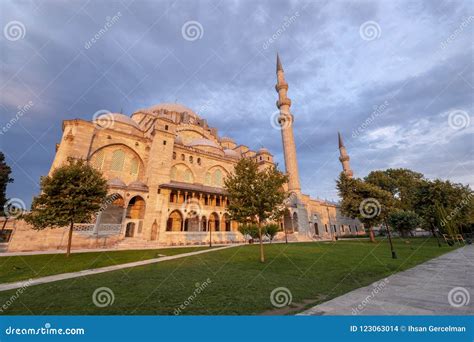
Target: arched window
[191, 159]
[174, 155]
[199, 161]
[217, 181]
[188, 176]
[174, 173]
[207, 179]
[98, 160]
[118, 158]
[183, 157]
[134, 166]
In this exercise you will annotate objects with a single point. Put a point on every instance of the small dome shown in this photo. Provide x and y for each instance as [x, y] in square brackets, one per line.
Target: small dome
[137, 185]
[173, 107]
[263, 150]
[116, 183]
[231, 153]
[226, 139]
[107, 119]
[204, 142]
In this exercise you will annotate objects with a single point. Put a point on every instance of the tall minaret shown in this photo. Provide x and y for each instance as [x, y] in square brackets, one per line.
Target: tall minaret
[344, 158]
[286, 122]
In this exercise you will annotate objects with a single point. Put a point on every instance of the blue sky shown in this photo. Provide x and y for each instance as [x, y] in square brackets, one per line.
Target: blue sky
[395, 77]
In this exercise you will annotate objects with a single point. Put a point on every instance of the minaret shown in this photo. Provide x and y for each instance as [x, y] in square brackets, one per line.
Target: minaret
[286, 122]
[344, 158]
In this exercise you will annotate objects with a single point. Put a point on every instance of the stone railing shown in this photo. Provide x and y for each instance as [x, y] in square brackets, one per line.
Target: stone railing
[102, 229]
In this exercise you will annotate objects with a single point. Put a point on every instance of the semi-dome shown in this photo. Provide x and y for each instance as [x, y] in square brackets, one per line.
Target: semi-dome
[116, 183]
[107, 119]
[231, 153]
[137, 185]
[204, 142]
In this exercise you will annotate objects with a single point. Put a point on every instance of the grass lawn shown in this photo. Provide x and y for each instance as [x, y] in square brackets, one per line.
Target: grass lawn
[16, 268]
[238, 283]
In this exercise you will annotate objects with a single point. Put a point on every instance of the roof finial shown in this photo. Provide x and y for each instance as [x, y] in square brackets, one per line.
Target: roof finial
[341, 144]
[279, 67]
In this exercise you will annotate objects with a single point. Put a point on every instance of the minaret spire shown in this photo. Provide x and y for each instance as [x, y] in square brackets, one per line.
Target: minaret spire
[344, 157]
[285, 120]
[279, 67]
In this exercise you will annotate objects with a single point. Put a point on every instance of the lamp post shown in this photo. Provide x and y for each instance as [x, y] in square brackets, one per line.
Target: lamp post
[394, 254]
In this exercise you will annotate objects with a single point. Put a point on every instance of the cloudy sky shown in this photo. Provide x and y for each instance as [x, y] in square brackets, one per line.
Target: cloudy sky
[395, 77]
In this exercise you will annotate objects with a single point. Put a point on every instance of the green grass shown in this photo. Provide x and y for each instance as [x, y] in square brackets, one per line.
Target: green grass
[239, 283]
[16, 268]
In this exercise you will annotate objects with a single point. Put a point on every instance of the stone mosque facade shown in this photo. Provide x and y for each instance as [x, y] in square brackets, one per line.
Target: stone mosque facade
[165, 168]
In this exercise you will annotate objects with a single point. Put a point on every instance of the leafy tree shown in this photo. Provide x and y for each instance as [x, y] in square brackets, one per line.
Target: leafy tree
[5, 178]
[438, 202]
[404, 221]
[256, 195]
[271, 230]
[401, 183]
[72, 193]
[367, 202]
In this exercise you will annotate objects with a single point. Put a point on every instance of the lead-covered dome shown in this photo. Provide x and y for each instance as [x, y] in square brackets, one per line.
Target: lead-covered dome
[172, 107]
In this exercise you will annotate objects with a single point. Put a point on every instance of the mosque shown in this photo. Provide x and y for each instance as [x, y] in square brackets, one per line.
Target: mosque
[165, 168]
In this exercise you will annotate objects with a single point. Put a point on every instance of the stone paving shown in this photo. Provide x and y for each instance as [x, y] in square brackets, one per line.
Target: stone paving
[441, 286]
[63, 276]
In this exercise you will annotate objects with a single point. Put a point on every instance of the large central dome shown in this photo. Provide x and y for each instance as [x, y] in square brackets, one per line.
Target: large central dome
[173, 107]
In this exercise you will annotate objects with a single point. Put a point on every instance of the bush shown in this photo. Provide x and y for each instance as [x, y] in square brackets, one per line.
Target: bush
[271, 230]
[250, 230]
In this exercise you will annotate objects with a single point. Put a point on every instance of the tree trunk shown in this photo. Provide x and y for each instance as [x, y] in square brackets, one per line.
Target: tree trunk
[434, 234]
[4, 223]
[262, 256]
[69, 240]
[210, 236]
[371, 234]
[394, 254]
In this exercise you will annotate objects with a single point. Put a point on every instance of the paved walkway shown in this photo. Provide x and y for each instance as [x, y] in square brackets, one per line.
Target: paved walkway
[426, 289]
[112, 249]
[63, 276]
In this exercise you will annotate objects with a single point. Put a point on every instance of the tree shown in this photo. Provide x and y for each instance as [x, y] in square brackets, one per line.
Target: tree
[403, 221]
[5, 178]
[366, 202]
[271, 230]
[401, 183]
[256, 195]
[72, 193]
